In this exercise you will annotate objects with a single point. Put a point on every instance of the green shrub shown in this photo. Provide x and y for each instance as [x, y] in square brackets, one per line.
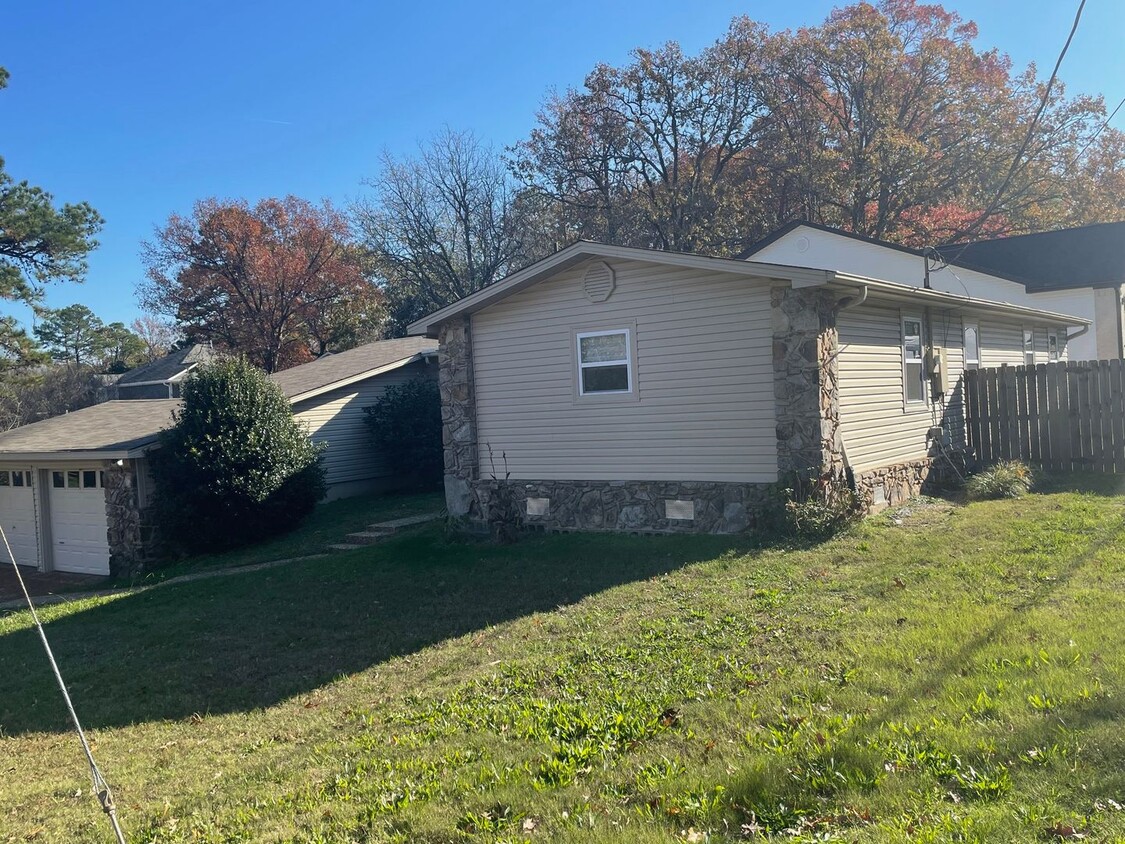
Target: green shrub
[1010, 479]
[405, 425]
[813, 507]
[235, 467]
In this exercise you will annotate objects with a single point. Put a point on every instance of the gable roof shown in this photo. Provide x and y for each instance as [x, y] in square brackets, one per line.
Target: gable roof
[1088, 256]
[172, 366]
[343, 368]
[798, 276]
[111, 430]
[584, 250]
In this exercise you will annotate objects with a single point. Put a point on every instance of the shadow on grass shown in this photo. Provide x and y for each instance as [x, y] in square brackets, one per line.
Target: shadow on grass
[249, 641]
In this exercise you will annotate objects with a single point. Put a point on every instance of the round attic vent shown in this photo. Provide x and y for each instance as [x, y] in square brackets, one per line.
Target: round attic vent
[802, 244]
[599, 282]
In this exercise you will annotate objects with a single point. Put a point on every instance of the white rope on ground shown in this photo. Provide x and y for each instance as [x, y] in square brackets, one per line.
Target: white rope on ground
[101, 787]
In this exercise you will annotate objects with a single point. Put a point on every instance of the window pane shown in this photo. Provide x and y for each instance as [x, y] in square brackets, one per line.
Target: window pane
[17, 479]
[972, 347]
[603, 347]
[914, 385]
[89, 479]
[4, 479]
[602, 379]
[72, 479]
[57, 480]
[1028, 340]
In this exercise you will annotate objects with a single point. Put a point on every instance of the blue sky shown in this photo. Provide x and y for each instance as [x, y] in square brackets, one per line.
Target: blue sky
[140, 107]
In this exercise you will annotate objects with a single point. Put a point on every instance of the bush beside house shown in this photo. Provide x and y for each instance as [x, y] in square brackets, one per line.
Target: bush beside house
[405, 426]
[235, 467]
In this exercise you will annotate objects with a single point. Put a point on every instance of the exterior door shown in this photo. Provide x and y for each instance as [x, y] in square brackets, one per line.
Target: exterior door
[17, 515]
[79, 534]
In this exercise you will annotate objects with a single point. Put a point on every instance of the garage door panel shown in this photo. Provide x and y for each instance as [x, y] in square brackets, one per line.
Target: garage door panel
[18, 517]
[79, 536]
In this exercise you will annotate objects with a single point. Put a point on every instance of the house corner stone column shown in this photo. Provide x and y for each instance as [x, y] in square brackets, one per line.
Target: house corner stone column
[127, 549]
[458, 414]
[806, 381]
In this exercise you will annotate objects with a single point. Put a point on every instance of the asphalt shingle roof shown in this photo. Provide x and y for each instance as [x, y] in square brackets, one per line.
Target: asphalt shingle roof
[1083, 257]
[330, 369]
[110, 426]
[169, 366]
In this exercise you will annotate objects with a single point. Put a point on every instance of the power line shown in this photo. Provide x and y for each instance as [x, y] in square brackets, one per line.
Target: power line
[1030, 129]
[1108, 120]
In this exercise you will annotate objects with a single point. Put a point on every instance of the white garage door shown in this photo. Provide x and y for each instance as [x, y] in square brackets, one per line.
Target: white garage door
[17, 515]
[79, 541]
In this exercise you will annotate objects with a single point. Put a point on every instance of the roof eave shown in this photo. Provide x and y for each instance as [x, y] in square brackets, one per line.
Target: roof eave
[888, 289]
[352, 379]
[584, 250]
[76, 455]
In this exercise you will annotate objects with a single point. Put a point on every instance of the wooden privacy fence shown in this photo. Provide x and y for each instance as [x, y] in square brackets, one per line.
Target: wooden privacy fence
[1064, 416]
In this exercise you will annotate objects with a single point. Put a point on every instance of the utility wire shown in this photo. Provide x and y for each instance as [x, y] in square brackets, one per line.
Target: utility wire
[1101, 128]
[101, 787]
[1030, 129]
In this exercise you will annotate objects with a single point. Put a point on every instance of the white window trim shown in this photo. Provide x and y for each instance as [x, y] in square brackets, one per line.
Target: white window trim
[970, 363]
[909, 405]
[1023, 340]
[627, 361]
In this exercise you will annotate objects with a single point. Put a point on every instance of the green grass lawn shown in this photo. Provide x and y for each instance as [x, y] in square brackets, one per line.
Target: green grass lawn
[956, 676]
[327, 524]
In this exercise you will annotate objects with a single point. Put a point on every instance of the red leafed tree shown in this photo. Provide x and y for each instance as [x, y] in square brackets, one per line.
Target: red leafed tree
[279, 282]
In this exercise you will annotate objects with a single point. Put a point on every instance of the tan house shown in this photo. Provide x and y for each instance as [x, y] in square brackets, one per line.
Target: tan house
[74, 489]
[608, 387]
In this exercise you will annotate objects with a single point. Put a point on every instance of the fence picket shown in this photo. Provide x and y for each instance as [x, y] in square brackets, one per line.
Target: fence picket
[1064, 416]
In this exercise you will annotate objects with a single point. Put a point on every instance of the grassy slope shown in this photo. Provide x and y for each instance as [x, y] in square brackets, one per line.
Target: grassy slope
[955, 678]
[327, 524]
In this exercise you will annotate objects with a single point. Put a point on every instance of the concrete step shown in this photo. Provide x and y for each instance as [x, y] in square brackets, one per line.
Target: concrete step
[368, 537]
[345, 546]
[406, 521]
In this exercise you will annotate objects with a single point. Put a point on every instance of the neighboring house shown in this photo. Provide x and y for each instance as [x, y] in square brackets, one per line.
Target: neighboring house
[1040, 273]
[74, 488]
[1064, 268]
[163, 378]
[330, 394]
[611, 388]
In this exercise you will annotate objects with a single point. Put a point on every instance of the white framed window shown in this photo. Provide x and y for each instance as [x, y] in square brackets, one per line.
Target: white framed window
[21, 479]
[913, 367]
[1029, 347]
[605, 362]
[972, 345]
[1053, 346]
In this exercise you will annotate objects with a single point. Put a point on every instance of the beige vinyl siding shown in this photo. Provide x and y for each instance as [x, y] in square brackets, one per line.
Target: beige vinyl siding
[1000, 343]
[704, 403]
[876, 426]
[337, 418]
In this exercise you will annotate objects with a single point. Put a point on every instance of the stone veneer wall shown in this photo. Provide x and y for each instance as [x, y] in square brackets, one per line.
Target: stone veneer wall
[458, 416]
[639, 505]
[806, 346]
[901, 482]
[130, 535]
[806, 392]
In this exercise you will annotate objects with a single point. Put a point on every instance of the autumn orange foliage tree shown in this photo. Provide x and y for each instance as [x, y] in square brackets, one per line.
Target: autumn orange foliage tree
[279, 282]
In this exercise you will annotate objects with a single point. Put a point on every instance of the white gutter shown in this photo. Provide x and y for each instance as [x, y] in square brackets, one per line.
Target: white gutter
[939, 297]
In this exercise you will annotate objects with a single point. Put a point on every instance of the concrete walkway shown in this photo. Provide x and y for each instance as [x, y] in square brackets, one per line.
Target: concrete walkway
[57, 598]
[373, 533]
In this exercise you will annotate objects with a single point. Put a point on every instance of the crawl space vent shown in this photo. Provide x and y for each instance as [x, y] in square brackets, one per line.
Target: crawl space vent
[599, 282]
[684, 510]
[538, 506]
